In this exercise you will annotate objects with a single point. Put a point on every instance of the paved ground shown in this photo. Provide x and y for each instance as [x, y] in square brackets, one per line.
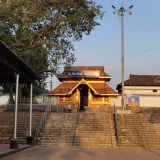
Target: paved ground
[5, 148]
[56, 153]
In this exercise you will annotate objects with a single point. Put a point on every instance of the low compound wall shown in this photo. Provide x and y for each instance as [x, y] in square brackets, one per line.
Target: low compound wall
[26, 107]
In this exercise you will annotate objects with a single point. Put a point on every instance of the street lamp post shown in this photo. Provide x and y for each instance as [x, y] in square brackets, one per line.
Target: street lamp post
[121, 12]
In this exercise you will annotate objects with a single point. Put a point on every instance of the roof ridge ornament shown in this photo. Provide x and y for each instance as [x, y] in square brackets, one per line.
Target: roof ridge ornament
[83, 81]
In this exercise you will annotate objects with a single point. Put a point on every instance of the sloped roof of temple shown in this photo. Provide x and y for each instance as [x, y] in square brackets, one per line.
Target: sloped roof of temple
[89, 72]
[66, 88]
[141, 80]
[92, 76]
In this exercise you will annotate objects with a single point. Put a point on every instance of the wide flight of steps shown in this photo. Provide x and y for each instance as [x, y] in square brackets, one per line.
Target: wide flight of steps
[151, 125]
[7, 125]
[138, 130]
[96, 129]
[59, 129]
[79, 129]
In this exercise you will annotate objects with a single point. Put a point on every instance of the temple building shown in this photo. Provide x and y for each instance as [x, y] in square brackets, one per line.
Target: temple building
[84, 86]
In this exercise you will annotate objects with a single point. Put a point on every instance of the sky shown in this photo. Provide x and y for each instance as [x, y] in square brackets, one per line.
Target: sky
[142, 41]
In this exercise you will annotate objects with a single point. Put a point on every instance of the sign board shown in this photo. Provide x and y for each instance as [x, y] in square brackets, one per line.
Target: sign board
[91, 74]
[133, 100]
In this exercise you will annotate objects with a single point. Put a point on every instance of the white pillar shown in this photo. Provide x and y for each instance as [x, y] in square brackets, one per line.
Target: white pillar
[16, 107]
[31, 95]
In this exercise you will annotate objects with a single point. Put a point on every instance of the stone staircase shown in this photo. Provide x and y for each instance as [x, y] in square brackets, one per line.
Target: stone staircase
[59, 129]
[96, 129]
[7, 125]
[151, 126]
[138, 130]
[79, 129]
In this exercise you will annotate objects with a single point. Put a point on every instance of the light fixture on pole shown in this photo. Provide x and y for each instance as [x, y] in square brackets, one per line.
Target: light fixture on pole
[121, 12]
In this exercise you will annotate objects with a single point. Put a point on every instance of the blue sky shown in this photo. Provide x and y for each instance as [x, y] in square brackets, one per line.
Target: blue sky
[142, 32]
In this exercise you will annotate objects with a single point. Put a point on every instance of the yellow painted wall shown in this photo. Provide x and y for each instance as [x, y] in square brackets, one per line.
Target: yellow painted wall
[75, 99]
[65, 100]
[99, 100]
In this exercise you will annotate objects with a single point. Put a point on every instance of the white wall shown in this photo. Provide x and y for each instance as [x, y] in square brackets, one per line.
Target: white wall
[46, 100]
[116, 100]
[4, 99]
[150, 101]
[54, 100]
[145, 90]
[148, 98]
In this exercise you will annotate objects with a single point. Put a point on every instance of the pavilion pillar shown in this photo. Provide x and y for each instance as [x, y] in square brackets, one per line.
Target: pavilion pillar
[30, 138]
[14, 142]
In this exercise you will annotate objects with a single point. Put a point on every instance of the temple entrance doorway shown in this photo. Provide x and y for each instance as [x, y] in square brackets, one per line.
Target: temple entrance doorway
[83, 96]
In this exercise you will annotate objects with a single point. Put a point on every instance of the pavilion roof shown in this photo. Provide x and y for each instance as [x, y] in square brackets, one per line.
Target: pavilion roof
[103, 88]
[63, 88]
[98, 88]
[10, 64]
[64, 75]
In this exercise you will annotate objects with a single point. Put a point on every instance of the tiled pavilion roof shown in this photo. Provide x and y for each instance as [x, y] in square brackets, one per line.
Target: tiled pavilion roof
[10, 64]
[98, 88]
[103, 88]
[63, 88]
[103, 74]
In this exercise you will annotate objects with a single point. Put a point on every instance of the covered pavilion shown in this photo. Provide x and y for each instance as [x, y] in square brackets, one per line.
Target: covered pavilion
[15, 70]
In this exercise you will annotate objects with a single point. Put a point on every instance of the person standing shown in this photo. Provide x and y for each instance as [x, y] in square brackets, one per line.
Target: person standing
[126, 99]
[69, 108]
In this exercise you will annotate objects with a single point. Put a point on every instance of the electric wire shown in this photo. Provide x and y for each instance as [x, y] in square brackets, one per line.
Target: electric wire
[150, 49]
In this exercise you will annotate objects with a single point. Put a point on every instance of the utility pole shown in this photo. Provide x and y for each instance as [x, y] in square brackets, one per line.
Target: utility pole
[51, 87]
[121, 12]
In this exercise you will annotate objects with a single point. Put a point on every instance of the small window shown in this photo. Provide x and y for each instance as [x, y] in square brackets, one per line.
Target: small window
[154, 90]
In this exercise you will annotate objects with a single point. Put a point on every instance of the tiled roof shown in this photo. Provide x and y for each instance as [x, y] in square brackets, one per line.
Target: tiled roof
[101, 88]
[142, 80]
[10, 64]
[83, 68]
[64, 88]
[94, 68]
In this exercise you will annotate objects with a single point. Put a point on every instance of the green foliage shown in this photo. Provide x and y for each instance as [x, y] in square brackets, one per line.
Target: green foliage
[42, 32]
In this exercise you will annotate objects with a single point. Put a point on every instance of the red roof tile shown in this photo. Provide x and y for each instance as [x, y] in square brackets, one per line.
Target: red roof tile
[64, 88]
[103, 88]
[64, 75]
[142, 80]
[90, 68]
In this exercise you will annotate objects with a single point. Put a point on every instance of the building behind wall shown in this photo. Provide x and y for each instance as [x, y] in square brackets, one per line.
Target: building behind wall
[147, 87]
[84, 86]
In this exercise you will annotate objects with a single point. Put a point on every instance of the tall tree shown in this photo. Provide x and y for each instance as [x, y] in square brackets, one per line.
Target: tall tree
[42, 32]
